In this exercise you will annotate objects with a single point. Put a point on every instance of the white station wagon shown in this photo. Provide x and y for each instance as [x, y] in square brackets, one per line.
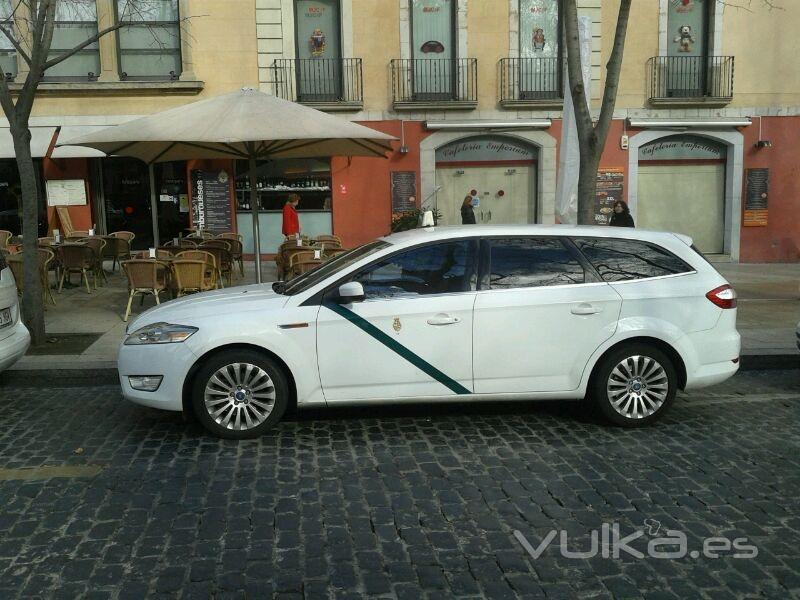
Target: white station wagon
[621, 317]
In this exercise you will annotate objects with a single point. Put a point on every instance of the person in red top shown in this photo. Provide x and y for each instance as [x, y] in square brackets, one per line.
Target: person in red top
[291, 222]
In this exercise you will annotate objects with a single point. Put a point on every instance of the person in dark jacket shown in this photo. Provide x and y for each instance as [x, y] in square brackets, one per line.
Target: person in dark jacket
[622, 215]
[467, 214]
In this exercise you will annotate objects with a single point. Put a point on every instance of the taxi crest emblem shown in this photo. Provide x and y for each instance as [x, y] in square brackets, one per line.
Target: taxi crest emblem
[397, 325]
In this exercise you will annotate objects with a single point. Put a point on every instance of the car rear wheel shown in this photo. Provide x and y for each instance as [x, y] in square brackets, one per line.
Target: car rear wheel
[634, 385]
[239, 394]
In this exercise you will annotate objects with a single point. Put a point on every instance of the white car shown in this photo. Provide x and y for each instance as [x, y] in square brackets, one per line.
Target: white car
[14, 336]
[453, 314]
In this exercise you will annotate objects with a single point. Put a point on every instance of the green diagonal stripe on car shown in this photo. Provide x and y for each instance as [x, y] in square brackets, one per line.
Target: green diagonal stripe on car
[398, 348]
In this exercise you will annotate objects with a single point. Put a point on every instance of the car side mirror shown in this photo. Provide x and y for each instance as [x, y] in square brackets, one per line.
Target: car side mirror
[352, 291]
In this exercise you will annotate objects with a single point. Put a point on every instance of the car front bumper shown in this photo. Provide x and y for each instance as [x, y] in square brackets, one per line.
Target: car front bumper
[171, 361]
[14, 346]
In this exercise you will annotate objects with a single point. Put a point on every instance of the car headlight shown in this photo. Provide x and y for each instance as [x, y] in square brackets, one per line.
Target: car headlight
[160, 333]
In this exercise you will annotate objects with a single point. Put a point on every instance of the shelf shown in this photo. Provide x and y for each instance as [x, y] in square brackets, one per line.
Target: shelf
[289, 189]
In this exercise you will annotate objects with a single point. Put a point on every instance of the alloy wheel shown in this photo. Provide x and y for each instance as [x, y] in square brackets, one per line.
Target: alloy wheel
[637, 387]
[239, 396]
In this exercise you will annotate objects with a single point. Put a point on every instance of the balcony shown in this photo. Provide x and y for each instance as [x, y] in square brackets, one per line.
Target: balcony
[530, 83]
[435, 83]
[330, 84]
[690, 80]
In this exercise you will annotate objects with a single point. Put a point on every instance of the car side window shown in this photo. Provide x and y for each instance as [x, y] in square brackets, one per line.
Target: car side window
[522, 262]
[432, 269]
[624, 260]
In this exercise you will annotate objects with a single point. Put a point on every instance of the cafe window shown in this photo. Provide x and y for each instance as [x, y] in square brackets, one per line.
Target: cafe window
[150, 42]
[76, 22]
[8, 55]
[308, 178]
[539, 48]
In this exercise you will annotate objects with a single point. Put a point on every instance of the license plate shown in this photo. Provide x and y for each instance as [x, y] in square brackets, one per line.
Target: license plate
[5, 317]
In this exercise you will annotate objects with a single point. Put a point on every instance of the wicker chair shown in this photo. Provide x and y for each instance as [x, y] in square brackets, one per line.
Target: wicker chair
[5, 235]
[97, 244]
[76, 258]
[330, 253]
[301, 266]
[223, 258]
[297, 257]
[329, 240]
[189, 277]
[237, 248]
[144, 277]
[211, 264]
[75, 235]
[16, 264]
[125, 235]
[286, 253]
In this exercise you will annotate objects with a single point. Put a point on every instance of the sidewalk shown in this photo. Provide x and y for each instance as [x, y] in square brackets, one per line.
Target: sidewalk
[769, 309]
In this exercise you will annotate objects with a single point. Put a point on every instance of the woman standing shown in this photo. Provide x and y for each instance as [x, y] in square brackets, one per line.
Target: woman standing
[291, 222]
[622, 215]
[467, 214]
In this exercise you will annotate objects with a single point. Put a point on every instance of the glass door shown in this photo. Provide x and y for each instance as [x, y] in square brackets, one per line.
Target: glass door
[126, 185]
[318, 70]
[433, 69]
[539, 49]
[687, 48]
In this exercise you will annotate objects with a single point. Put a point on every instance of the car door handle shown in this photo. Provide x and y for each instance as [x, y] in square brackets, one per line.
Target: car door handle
[443, 319]
[584, 309]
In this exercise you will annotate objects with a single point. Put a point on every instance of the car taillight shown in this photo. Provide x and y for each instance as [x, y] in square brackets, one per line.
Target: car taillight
[724, 296]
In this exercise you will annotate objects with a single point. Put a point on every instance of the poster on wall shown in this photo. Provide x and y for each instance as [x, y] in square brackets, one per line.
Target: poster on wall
[757, 196]
[610, 187]
[211, 201]
[66, 192]
[404, 191]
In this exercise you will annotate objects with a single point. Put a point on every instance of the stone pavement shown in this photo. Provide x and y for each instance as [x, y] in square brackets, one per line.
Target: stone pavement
[100, 498]
[769, 309]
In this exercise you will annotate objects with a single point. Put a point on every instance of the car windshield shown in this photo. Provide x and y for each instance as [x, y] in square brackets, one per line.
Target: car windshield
[331, 267]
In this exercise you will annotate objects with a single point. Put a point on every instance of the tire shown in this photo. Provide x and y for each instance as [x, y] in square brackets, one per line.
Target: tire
[614, 385]
[261, 396]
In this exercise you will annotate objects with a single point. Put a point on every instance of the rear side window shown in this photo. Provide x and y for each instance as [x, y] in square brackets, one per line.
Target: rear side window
[532, 262]
[624, 260]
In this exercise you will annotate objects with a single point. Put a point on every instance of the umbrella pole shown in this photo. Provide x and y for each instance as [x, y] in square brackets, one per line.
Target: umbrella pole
[153, 204]
[254, 208]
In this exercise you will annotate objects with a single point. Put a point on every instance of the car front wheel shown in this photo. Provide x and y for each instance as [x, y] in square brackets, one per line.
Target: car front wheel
[635, 385]
[239, 394]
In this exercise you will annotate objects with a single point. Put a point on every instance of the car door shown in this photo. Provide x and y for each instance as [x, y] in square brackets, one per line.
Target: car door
[539, 315]
[411, 336]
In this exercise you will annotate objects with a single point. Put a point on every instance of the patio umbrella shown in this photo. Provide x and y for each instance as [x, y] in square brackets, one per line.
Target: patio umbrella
[247, 124]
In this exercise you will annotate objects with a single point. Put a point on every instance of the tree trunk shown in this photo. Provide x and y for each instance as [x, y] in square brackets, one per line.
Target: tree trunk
[32, 297]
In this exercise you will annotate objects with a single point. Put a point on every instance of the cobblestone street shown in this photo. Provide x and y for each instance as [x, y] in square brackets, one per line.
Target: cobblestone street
[103, 499]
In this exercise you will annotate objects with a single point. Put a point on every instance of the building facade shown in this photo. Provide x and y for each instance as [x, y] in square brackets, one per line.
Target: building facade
[170, 52]
[473, 89]
[708, 105]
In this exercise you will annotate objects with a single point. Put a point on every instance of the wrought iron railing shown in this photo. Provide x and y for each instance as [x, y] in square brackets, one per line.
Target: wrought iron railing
[319, 80]
[435, 80]
[690, 77]
[530, 79]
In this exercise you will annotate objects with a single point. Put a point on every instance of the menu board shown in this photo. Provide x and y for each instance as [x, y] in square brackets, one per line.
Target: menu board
[66, 192]
[211, 201]
[404, 191]
[610, 186]
[755, 203]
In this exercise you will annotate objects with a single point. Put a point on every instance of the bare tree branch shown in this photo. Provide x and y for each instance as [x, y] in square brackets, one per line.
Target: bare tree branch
[613, 69]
